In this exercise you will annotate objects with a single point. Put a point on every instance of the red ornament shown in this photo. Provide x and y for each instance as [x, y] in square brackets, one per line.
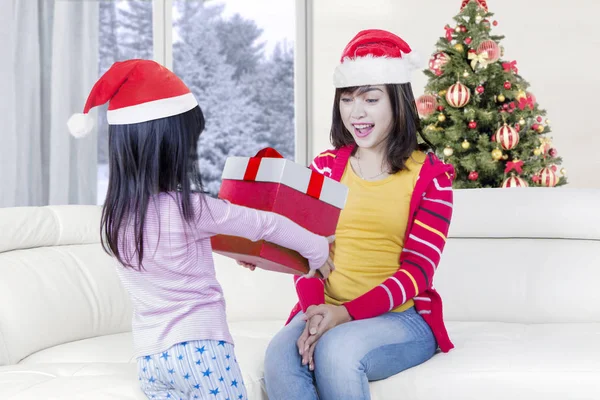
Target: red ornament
[440, 108]
[507, 137]
[512, 105]
[482, 3]
[495, 23]
[514, 181]
[472, 125]
[547, 177]
[437, 61]
[480, 89]
[468, 40]
[507, 85]
[553, 153]
[458, 95]
[463, 28]
[554, 168]
[535, 178]
[539, 119]
[534, 127]
[505, 106]
[473, 175]
[426, 105]
[493, 138]
[517, 127]
[492, 49]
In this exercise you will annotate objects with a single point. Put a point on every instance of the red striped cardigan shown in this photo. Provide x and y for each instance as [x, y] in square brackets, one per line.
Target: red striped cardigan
[426, 232]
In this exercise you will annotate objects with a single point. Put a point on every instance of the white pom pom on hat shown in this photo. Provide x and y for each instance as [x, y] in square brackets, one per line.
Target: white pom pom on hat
[136, 91]
[375, 57]
[80, 125]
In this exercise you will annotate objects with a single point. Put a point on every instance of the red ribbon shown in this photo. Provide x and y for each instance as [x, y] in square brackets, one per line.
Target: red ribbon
[315, 183]
[516, 165]
[508, 66]
[524, 102]
[449, 32]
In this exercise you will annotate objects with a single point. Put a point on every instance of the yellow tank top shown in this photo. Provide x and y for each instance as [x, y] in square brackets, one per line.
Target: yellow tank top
[370, 232]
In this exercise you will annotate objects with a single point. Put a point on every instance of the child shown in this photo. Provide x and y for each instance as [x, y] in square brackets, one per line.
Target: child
[157, 223]
[379, 313]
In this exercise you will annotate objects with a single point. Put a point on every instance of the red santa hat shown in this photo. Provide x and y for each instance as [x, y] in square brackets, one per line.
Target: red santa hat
[136, 91]
[375, 57]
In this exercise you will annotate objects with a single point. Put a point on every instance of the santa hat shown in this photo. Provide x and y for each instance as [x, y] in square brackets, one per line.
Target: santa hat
[137, 91]
[375, 57]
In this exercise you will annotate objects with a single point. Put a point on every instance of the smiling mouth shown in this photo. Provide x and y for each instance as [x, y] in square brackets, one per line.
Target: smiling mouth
[363, 130]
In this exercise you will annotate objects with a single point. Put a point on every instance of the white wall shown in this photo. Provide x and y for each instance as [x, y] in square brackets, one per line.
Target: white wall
[560, 64]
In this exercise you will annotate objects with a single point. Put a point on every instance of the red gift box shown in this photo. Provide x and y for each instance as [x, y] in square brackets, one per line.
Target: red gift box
[271, 183]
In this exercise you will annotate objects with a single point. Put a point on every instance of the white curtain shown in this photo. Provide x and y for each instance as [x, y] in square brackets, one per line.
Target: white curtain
[52, 63]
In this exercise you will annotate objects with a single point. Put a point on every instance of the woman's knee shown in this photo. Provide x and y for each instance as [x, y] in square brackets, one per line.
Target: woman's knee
[282, 350]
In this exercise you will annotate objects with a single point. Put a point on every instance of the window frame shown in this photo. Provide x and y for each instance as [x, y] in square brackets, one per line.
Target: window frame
[162, 22]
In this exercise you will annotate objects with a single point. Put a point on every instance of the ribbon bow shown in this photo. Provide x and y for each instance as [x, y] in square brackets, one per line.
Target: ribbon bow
[510, 66]
[449, 32]
[525, 102]
[516, 165]
[481, 58]
[268, 152]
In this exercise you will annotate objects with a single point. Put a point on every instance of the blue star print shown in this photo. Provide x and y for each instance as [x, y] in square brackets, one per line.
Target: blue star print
[184, 344]
[234, 383]
[228, 356]
[147, 358]
[228, 368]
[215, 391]
[241, 396]
[165, 355]
[172, 371]
[180, 357]
[197, 386]
[168, 395]
[198, 362]
[207, 372]
[221, 379]
[152, 379]
[221, 343]
[200, 350]
[186, 376]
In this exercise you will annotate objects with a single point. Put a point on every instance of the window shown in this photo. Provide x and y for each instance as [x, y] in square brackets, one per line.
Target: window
[237, 60]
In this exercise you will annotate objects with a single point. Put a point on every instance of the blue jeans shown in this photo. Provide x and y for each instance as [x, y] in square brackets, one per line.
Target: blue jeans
[347, 357]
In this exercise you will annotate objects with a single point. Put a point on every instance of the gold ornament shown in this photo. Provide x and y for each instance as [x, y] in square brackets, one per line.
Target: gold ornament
[459, 47]
[501, 51]
[540, 128]
[496, 154]
[505, 157]
[478, 18]
[537, 152]
[465, 145]
[563, 172]
[521, 94]
[501, 98]
[442, 93]
[547, 122]
[521, 121]
[465, 74]
[441, 117]
[457, 29]
[448, 151]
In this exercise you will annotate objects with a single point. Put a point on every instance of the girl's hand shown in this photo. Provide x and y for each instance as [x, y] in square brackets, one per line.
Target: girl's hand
[332, 317]
[305, 350]
[251, 267]
[326, 268]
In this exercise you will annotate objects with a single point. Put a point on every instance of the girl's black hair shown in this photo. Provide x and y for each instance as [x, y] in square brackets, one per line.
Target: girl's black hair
[146, 159]
[406, 125]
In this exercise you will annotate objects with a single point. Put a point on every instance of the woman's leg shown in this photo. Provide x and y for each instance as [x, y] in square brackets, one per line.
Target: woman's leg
[352, 354]
[285, 376]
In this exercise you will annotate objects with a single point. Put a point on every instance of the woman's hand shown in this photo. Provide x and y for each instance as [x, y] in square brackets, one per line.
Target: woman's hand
[332, 316]
[304, 349]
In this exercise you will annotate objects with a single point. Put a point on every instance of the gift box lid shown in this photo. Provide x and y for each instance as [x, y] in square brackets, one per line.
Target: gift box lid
[288, 173]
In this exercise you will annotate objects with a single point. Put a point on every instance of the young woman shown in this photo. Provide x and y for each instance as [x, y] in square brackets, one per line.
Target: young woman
[377, 314]
[157, 223]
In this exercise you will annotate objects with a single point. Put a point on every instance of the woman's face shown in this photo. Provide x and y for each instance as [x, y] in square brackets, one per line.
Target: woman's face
[367, 114]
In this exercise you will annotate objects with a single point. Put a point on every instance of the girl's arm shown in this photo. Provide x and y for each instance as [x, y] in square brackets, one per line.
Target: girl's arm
[420, 256]
[221, 217]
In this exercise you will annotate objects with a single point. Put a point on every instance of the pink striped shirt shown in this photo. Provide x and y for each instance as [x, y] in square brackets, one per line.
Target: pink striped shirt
[177, 297]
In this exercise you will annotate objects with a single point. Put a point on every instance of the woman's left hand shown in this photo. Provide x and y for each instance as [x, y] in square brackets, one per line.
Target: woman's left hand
[332, 317]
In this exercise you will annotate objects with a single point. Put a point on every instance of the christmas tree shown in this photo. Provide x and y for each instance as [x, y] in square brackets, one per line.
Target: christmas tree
[478, 113]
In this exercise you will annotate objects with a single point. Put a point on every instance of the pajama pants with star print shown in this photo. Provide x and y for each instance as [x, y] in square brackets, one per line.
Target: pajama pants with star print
[201, 369]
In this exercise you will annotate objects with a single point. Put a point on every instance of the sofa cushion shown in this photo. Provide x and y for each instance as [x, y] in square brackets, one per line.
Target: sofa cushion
[517, 360]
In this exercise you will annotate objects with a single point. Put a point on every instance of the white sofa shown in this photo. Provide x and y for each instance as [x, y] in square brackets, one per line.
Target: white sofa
[519, 278]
